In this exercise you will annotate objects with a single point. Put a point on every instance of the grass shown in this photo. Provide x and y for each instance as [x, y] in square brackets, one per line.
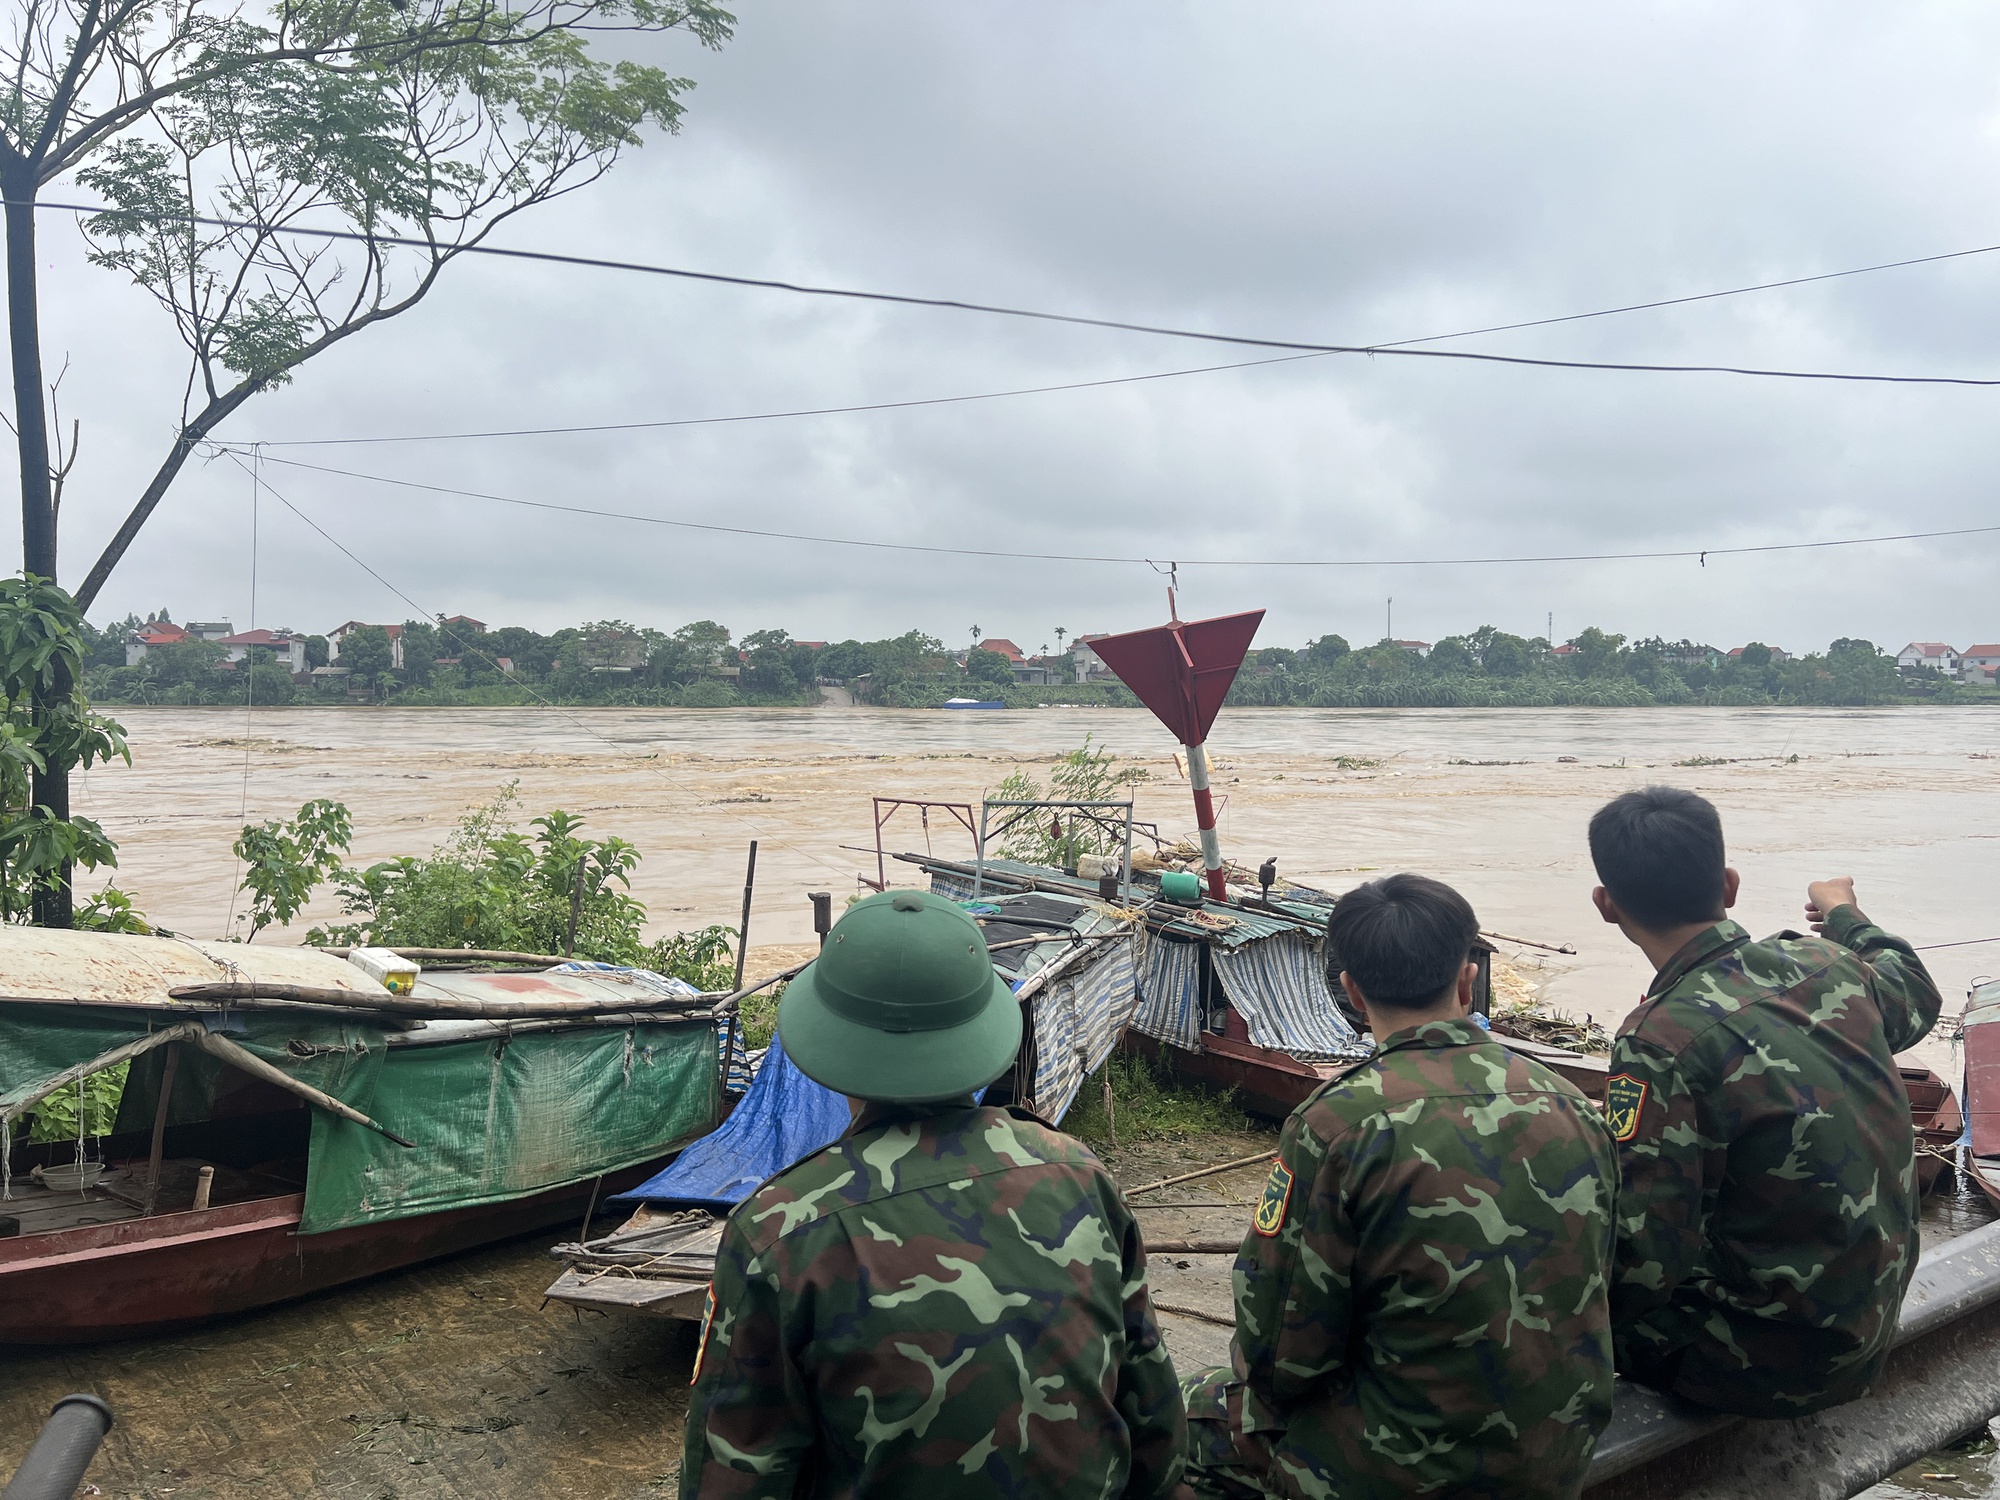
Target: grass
[760, 1017]
[1150, 1103]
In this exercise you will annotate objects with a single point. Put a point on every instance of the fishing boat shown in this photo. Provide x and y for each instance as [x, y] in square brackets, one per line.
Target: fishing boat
[289, 1124]
[1072, 959]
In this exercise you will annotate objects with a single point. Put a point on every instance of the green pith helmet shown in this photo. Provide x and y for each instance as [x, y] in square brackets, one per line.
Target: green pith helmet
[902, 1004]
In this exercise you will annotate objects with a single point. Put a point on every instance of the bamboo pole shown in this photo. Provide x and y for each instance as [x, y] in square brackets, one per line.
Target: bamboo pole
[437, 1007]
[1193, 1247]
[1227, 1166]
[743, 929]
[155, 1160]
[216, 1045]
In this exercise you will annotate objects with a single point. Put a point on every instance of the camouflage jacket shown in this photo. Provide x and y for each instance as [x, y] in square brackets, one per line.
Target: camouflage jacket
[1420, 1302]
[1768, 1211]
[948, 1300]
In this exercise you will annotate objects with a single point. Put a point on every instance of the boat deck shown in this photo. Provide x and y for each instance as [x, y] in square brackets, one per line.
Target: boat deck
[121, 1194]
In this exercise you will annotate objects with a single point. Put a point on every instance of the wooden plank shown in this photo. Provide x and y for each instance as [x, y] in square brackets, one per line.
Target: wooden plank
[655, 1297]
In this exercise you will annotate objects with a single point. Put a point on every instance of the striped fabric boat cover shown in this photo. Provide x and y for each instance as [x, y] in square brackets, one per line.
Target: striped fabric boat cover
[1078, 1020]
[1170, 994]
[1279, 987]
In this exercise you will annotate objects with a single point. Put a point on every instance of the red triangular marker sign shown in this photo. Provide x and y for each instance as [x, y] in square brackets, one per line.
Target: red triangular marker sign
[1182, 671]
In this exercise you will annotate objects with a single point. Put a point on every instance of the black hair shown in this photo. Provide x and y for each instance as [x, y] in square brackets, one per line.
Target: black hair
[1659, 853]
[1403, 939]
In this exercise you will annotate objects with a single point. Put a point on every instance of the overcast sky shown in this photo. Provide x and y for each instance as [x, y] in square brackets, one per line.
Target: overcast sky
[1337, 173]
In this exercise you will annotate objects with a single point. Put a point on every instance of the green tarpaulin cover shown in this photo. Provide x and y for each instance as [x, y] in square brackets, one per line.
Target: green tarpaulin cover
[493, 1117]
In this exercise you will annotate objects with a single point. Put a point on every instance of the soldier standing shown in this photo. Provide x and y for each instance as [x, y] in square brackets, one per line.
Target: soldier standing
[1420, 1301]
[1768, 1213]
[949, 1299]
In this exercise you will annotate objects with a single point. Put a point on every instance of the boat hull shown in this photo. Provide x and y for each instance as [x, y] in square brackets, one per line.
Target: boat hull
[144, 1276]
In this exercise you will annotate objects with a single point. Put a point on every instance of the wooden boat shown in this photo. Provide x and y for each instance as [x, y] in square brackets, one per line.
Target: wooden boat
[1237, 996]
[311, 1129]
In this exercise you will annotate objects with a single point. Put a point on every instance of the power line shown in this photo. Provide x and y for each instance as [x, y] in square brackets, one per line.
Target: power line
[773, 416]
[953, 304]
[1699, 553]
[1084, 385]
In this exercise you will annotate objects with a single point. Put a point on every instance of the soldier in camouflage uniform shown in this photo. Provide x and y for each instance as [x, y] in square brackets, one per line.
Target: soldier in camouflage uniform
[1420, 1301]
[947, 1301]
[1768, 1212]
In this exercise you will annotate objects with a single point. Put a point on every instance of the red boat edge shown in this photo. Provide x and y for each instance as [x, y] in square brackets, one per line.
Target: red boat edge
[152, 1275]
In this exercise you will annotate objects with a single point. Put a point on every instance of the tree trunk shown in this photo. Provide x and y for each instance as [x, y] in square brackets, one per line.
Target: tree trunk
[38, 520]
[38, 517]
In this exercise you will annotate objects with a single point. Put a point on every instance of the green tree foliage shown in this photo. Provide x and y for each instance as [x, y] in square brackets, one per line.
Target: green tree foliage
[1491, 668]
[41, 658]
[491, 886]
[987, 666]
[285, 862]
[1052, 836]
[367, 654]
[416, 126]
[95, 1096]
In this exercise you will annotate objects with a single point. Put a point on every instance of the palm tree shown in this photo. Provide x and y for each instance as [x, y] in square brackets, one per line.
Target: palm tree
[1060, 633]
[975, 636]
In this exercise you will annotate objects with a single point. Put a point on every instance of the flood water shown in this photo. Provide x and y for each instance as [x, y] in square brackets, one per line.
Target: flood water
[455, 1380]
[1493, 800]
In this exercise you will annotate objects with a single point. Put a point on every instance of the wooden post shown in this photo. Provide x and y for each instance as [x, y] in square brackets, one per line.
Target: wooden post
[160, 1128]
[1110, 1113]
[204, 1184]
[743, 930]
[575, 907]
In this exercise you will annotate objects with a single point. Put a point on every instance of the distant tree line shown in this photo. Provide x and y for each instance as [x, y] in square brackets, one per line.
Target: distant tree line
[616, 663]
[608, 662]
[1490, 668]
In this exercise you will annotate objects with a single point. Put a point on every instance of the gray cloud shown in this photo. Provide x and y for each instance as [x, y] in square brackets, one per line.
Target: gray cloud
[1305, 171]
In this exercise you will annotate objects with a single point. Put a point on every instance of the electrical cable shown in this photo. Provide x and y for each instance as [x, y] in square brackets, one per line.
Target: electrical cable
[547, 703]
[953, 304]
[1084, 385]
[1699, 553]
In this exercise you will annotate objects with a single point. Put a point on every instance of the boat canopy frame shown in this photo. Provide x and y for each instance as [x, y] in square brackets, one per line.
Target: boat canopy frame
[1095, 813]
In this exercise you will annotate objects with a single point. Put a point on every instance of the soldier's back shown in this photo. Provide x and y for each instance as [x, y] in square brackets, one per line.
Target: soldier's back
[1464, 1195]
[1757, 1096]
[960, 1291]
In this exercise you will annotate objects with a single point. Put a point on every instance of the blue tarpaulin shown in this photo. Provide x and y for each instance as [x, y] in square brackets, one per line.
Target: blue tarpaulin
[783, 1119]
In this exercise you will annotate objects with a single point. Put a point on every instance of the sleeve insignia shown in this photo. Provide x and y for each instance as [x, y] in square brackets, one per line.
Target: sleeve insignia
[707, 1322]
[1624, 1098]
[1277, 1197]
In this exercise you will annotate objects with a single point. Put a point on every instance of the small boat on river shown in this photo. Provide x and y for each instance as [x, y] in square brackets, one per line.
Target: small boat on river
[289, 1124]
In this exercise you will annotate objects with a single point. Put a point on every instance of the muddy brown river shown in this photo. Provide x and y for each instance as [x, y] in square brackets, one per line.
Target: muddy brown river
[455, 1380]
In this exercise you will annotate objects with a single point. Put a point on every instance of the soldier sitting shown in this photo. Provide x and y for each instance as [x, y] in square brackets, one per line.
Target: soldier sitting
[1768, 1211]
[948, 1300]
[1420, 1301]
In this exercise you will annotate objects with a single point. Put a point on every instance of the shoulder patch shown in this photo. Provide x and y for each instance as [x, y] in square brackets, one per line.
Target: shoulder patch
[1624, 1099]
[707, 1322]
[1277, 1198]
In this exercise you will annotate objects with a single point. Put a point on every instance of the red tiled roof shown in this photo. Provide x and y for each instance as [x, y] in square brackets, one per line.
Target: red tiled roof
[1929, 648]
[160, 633]
[1001, 644]
[272, 638]
[1989, 649]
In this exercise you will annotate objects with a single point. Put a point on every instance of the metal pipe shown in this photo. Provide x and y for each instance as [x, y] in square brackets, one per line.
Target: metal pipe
[822, 902]
[68, 1441]
[1204, 818]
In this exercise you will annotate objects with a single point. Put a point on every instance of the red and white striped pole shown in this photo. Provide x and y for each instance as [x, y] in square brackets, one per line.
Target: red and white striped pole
[1204, 819]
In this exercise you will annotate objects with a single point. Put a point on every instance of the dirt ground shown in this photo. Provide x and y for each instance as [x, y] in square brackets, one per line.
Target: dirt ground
[455, 1380]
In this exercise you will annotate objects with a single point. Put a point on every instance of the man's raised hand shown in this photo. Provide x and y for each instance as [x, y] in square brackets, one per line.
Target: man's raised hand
[1822, 896]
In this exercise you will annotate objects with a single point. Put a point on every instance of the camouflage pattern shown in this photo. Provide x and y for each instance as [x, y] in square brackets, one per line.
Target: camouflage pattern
[948, 1300]
[1421, 1298]
[1767, 1218]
